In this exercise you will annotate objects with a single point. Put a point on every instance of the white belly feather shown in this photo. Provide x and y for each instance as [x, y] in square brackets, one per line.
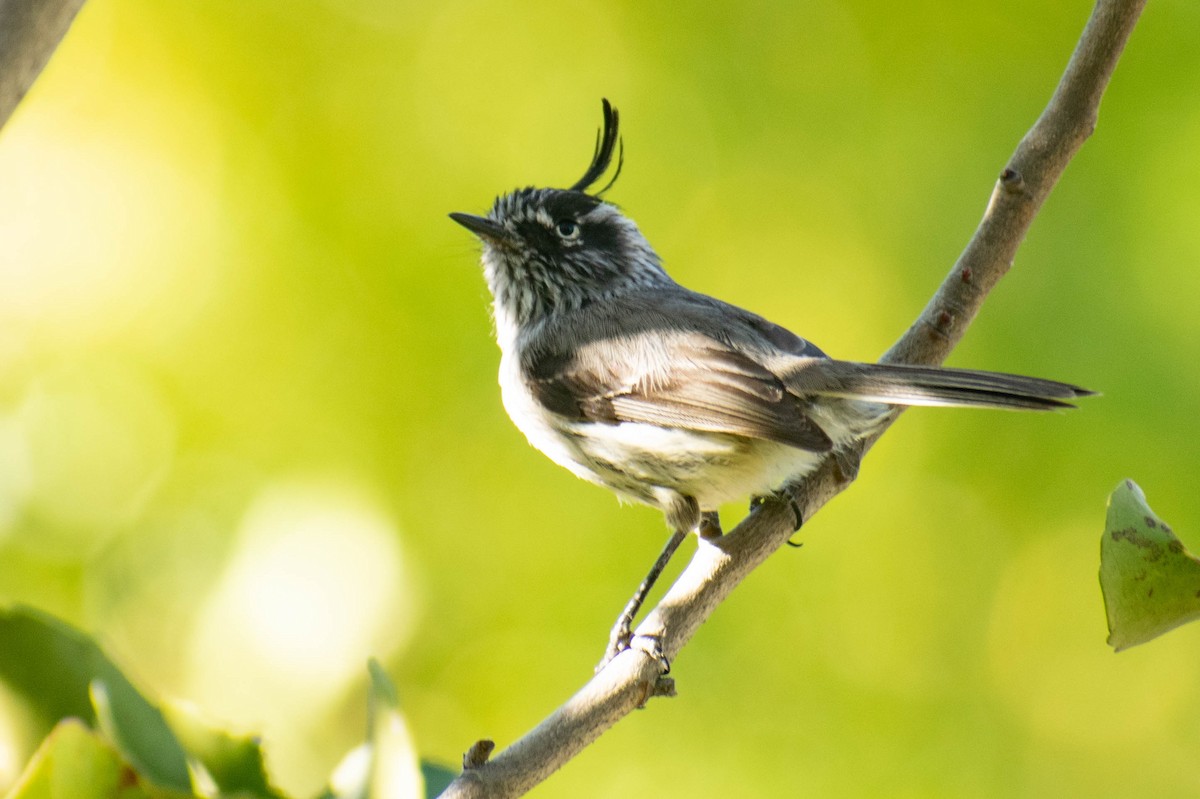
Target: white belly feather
[633, 458]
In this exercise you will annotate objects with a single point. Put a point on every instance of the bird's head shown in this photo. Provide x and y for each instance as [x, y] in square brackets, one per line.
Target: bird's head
[556, 250]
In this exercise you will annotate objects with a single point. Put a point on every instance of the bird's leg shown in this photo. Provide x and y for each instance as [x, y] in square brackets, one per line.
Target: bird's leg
[622, 631]
[710, 526]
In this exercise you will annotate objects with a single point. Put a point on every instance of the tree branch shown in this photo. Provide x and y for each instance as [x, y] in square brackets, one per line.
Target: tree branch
[720, 565]
[29, 32]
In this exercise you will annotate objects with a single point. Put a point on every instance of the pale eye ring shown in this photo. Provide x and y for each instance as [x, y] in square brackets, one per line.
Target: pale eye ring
[568, 229]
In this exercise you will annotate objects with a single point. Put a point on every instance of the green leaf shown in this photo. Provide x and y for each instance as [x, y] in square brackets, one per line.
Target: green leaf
[140, 732]
[437, 778]
[1150, 582]
[395, 769]
[76, 762]
[386, 766]
[233, 762]
[72, 763]
[60, 673]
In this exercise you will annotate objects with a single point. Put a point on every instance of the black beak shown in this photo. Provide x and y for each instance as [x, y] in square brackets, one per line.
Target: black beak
[484, 228]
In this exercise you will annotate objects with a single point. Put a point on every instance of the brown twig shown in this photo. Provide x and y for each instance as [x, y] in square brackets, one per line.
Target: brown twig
[29, 32]
[720, 565]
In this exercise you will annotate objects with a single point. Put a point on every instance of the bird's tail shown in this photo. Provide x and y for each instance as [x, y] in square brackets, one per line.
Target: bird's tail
[895, 384]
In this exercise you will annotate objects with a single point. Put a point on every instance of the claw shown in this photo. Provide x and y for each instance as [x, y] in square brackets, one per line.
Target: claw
[780, 496]
[618, 641]
[795, 506]
[652, 646]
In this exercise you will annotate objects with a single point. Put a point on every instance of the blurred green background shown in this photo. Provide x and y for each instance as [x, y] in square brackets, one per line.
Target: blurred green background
[250, 431]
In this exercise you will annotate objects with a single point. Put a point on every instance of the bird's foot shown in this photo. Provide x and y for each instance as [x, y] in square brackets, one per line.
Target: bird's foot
[621, 638]
[786, 498]
[618, 640]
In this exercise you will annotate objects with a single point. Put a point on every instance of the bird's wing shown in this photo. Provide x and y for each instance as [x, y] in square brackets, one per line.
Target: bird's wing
[672, 378]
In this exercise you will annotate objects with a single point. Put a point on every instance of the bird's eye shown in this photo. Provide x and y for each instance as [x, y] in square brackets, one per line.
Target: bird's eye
[567, 228]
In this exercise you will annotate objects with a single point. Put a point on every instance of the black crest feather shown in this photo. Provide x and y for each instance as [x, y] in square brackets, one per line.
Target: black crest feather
[606, 142]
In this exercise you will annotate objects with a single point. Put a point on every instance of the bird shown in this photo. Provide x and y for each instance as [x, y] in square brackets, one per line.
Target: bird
[666, 396]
